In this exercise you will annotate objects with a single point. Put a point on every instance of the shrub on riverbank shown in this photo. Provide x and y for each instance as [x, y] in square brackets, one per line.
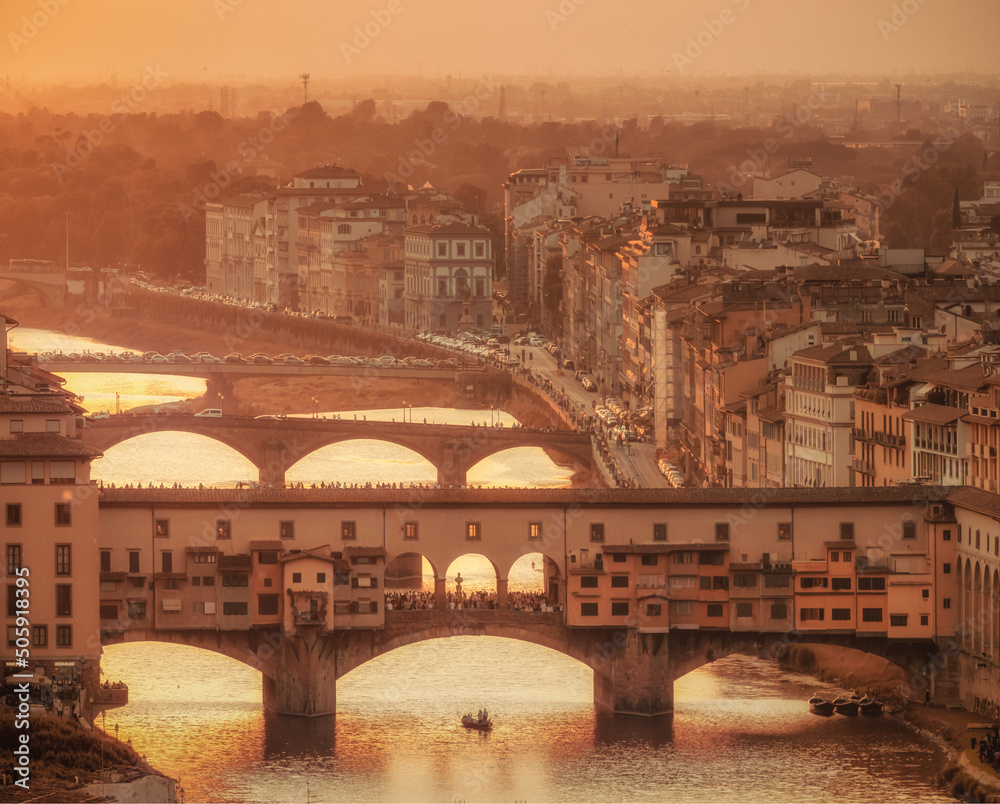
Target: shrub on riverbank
[61, 749]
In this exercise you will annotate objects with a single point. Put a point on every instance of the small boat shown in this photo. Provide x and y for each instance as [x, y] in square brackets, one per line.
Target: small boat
[846, 706]
[870, 707]
[473, 723]
[820, 706]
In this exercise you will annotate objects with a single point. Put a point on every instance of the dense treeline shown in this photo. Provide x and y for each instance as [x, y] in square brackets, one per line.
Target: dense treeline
[131, 187]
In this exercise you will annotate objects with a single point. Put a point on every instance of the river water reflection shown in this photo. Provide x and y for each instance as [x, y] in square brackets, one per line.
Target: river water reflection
[741, 730]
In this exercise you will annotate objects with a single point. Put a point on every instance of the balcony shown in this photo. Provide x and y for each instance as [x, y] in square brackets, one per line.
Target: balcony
[864, 467]
[860, 434]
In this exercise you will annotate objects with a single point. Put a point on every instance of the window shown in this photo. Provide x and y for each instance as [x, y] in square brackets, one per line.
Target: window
[64, 636]
[784, 530]
[64, 559]
[909, 529]
[619, 581]
[267, 557]
[835, 556]
[776, 581]
[17, 425]
[684, 558]
[744, 609]
[62, 472]
[840, 614]
[365, 606]
[172, 586]
[946, 569]
[166, 561]
[898, 620]
[64, 600]
[348, 530]
[619, 608]
[286, 530]
[722, 531]
[196, 580]
[534, 530]
[364, 582]
[588, 609]
[807, 615]
[846, 556]
[12, 472]
[11, 600]
[296, 577]
[871, 584]
[597, 531]
[38, 472]
[203, 558]
[847, 531]
[267, 604]
[714, 609]
[745, 580]
[13, 515]
[109, 611]
[473, 530]
[234, 608]
[161, 528]
[105, 560]
[779, 611]
[946, 603]
[871, 615]
[649, 560]
[442, 249]
[924, 619]
[814, 583]
[653, 609]
[223, 529]
[946, 535]
[40, 636]
[660, 532]
[208, 580]
[14, 558]
[840, 584]
[63, 516]
[460, 249]
[236, 579]
[411, 530]
[588, 581]
[320, 577]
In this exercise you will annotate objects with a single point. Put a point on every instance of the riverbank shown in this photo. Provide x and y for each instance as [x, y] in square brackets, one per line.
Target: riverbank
[66, 762]
[964, 776]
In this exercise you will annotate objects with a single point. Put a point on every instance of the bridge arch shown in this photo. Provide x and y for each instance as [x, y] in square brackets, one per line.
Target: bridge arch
[239, 449]
[309, 458]
[52, 293]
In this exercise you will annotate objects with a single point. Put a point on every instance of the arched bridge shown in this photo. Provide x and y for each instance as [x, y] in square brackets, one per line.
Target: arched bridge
[50, 282]
[634, 672]
[274, 445]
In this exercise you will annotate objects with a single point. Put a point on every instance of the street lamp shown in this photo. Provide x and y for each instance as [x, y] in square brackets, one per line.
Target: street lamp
[314, 407]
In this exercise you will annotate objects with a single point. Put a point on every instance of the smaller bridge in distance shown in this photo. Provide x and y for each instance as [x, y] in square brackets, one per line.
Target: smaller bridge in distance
[275, 445]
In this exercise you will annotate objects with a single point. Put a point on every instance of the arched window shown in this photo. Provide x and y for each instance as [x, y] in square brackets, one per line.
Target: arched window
[344, 228]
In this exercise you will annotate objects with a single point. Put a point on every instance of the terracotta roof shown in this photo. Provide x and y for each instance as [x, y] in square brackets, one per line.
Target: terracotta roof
[973, 419]
[934, 414]
[33, 406]
[841, 544]
[976, 499]
[45, 445]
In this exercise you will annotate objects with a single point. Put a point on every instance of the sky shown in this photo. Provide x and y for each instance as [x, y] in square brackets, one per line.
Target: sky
[232, 40]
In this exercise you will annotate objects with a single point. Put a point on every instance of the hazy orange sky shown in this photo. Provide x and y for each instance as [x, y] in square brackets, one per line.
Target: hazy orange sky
[84, 40]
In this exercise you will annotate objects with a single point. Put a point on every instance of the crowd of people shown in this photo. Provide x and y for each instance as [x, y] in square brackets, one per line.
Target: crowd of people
[989, 748]
[399, 600]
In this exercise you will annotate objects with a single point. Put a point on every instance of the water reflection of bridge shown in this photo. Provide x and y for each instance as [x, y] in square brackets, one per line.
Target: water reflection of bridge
[275, 445]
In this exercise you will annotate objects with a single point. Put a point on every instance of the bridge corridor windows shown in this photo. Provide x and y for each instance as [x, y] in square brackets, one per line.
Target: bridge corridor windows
[286, 529]
[473, 531]
[13, 515]
[161, 528]
[534, 530]
[223, 529]
[597, 531]
[348, 530]
[411, 531]
[659, 532]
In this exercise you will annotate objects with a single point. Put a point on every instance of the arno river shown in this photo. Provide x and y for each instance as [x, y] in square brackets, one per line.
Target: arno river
[741, 729]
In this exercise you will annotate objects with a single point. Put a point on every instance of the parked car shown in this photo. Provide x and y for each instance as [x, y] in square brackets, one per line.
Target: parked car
[588, 384]
[235, 357]
[214, 413]
[260, 359]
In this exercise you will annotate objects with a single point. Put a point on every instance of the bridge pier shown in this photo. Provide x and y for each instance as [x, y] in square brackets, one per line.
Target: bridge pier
[441, 593]
[633, 675]
[272, 464]
[304, 683]
[219, 394]
[502, 597]
[451, 475]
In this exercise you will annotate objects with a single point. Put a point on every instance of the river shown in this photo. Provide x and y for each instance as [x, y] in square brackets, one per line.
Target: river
[741, 730]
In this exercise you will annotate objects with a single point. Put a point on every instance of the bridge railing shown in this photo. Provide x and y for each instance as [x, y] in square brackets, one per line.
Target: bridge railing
[462, 617]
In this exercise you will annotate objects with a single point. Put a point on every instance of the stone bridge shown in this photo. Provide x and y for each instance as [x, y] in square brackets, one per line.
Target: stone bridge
[634, 672]
[49, 282]
[274, 445]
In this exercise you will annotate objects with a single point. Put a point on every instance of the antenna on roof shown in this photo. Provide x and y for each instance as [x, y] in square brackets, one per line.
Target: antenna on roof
[305, 87]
